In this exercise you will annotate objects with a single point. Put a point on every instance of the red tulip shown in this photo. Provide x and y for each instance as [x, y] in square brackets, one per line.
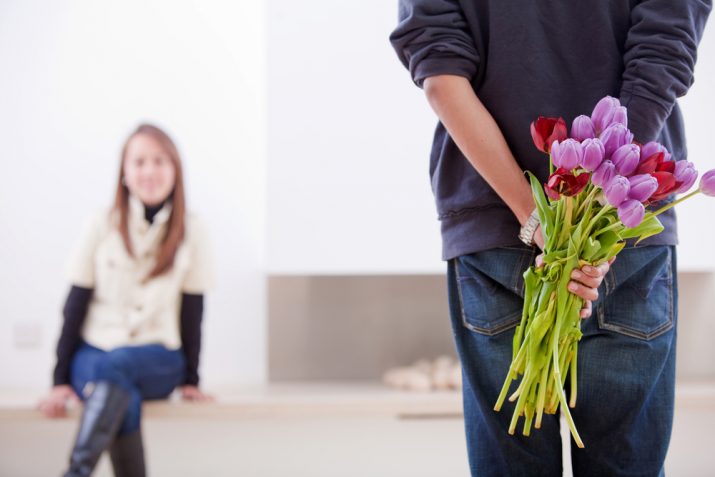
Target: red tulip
[655, 163]
[662, 168]
[544, 131]
[562, 182]
[666, 185]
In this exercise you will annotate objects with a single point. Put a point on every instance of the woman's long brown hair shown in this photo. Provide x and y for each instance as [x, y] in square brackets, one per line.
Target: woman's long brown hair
[175, 225]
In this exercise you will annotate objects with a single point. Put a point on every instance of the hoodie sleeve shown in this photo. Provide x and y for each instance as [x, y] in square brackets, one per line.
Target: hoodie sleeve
[433, 38]
[659, 58]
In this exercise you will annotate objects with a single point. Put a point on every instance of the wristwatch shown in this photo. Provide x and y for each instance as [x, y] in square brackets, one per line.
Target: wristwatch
[526, 234]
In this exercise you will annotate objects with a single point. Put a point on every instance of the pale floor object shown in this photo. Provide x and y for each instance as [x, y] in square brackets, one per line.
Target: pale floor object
[326, 444]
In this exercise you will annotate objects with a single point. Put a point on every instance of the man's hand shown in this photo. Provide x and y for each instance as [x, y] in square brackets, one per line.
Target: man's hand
[585, 282]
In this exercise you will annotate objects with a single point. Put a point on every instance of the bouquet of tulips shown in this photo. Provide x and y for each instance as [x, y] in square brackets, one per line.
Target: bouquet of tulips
[595, 198]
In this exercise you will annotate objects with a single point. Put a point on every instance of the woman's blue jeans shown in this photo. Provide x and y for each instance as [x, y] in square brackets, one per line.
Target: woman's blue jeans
[145, 372]
[626, 366]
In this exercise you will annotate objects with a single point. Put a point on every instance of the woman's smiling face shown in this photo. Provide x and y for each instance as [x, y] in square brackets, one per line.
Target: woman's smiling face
[148, 170]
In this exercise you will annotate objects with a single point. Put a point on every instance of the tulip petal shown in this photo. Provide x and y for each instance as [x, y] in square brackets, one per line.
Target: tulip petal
[650, 163]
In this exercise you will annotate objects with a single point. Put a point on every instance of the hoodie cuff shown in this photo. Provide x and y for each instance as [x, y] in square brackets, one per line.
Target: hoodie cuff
[443, 65]
[645, 117]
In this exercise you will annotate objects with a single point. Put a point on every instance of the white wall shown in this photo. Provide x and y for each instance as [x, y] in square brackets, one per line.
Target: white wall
[349, 141]
[695, 226]
[78, 76]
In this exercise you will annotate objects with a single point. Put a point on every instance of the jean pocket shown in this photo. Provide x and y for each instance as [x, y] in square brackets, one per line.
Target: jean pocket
[640, 303]
[490, 287]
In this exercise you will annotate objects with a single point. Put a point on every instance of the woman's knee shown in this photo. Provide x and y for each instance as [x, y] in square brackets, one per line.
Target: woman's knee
[114, 366]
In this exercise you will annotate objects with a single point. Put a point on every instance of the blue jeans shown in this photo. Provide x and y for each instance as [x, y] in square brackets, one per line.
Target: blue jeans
[145, 372]
[626, 366]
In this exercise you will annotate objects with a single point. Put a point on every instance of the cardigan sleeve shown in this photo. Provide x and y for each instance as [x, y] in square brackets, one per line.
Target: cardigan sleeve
[74, 314]
[192, 308]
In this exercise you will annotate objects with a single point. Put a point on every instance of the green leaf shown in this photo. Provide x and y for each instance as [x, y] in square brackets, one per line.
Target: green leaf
[608, 238]
[591, 249]
[649, 227]
[546, 215]
[555, 255]
[617, 247]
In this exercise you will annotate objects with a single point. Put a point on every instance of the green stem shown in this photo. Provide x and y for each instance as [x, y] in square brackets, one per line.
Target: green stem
[574, 367]
[594, 221]
[559, 389]
[592, 191]
[606, 229]
[674, 203]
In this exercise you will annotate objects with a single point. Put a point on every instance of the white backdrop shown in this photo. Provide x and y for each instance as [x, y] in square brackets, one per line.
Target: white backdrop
[349, 141]
[78, 76]
[696, 227]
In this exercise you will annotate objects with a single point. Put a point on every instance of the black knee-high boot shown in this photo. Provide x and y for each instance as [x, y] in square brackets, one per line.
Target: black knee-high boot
[103, 412]
[127, 454]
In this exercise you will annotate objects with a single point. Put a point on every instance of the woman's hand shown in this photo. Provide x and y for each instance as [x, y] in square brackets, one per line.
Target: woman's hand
[193, 393]
[55, 403]
[584, 282]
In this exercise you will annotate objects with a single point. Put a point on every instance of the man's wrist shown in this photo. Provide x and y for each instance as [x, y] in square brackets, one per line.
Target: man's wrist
[528, 230]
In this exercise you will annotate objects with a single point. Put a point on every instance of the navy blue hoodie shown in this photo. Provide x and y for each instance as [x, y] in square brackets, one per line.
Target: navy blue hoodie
[528, 58]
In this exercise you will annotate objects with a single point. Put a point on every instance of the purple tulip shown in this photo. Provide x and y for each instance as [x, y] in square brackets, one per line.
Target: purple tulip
[620, 116]
[604, 174]
[593, 153]
[686, 174]
[582, 128]
[566, 154]
[615, 136]
[617, 190]
[653, 148]
[626, 159]
[642, 187]
[631, 213]
[603, 113]
[707, 183]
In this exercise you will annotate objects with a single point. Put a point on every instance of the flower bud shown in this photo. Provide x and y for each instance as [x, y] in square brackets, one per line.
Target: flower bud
[631, 213]
[617, 190]
[603, 175]
[685, 174]
[626, 158]
[707, 183]
[602, 115]
[582, 128]
[653, 147]
[642, 187]
[615, 136]
[620, 116]
[593, 153]
[566, 154]
[544, 131]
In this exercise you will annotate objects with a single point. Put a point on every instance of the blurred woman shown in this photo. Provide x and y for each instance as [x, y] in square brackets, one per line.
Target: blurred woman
[132, 319]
